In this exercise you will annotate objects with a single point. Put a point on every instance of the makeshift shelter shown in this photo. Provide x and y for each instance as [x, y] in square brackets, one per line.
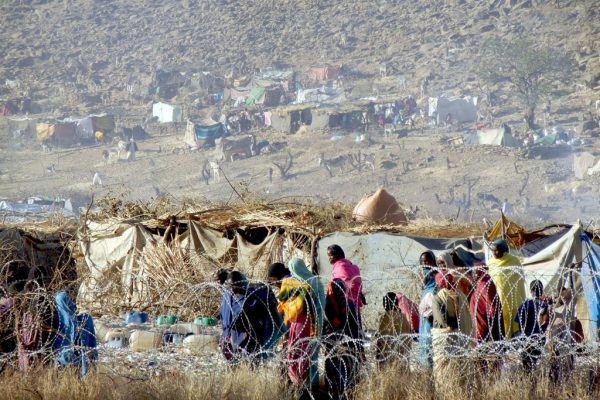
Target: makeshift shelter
[290, 118]
[167, 112]
[344, 116]
[202, 132]
[323, 94]
[24, 126]
[37, 251]
[494, 137]
[460, 109]
[87, 127]
[61, 134]
[324, 73]
[381, 208]
[560, 256]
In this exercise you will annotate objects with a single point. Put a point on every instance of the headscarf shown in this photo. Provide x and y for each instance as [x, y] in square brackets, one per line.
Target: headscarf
[428, 274]
[501, 245]
[446, 257]
[299, 271]
[444, 280]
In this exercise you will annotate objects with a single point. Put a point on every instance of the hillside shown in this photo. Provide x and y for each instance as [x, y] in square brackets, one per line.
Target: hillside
[78, 57]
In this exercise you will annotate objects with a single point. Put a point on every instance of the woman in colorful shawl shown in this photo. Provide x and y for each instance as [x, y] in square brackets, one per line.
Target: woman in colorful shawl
[349, 273]
[452, 328]
[485, 307]
[427, 260]
[301, 302]
[505, 270]
[393, 336]
[343, 349]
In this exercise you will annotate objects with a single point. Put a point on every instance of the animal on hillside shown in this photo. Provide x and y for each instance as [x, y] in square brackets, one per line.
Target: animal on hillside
[338, 162]
[230, 149]
[121, 147]
[215, 167]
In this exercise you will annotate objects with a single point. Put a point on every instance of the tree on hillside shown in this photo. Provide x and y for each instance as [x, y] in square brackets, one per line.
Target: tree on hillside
[529, 67]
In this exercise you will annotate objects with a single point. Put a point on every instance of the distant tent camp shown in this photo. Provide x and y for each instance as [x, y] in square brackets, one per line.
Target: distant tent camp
[203, 132]
[167, 112]
[495, 137]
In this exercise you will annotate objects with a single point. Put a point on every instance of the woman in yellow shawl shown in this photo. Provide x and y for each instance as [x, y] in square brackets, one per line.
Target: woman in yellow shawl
[505, 270]
[301, 300]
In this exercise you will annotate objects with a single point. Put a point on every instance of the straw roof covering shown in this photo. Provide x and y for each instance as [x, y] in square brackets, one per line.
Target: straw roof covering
[308, 218]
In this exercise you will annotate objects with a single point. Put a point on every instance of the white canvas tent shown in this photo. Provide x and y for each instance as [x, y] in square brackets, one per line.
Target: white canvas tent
[494, 137]
[461, 109]
[167, 112]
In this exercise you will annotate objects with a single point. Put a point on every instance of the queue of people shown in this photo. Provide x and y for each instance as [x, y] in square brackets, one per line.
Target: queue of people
[459, 309]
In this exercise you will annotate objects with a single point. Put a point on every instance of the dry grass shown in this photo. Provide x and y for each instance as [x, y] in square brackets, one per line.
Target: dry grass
[476, 383]
[241, 383]
[267, 384]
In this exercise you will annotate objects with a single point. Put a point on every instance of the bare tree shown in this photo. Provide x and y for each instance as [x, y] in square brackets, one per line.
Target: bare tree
[285, 166]
[360, 161]
[528, 67]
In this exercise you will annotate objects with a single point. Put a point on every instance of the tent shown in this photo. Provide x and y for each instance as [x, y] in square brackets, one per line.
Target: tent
[324, 73]
[59, 134]
[36, 252]
[167, 112]
[572, 261]
[119, 256]
[495, 137]
[87, 127]
[321, 95]
[461, 109]
[560, 256]
[203, 132]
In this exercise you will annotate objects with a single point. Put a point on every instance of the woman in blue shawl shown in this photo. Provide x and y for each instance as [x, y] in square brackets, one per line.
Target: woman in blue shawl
[427, 261]
[75, 340]
[250, 321]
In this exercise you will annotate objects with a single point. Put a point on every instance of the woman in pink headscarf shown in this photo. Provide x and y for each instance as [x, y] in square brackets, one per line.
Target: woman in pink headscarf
[349, 273]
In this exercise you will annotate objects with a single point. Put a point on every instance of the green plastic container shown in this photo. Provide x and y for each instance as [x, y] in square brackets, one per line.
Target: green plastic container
[166, 320]
[205, 321]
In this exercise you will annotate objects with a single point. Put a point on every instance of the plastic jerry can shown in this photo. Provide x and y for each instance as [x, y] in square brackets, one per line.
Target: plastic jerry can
[185, 329]
[166, 320]
[201, 344]
[101, 329]
[145, 340]
[136, 317]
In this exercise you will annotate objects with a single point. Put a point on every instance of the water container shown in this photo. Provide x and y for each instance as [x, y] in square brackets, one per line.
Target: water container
[101, 329]
[185, 329]
[117, 338]
[136, 317]
[205, 321]
[201, 344]
[166, 320]
[145, 340]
